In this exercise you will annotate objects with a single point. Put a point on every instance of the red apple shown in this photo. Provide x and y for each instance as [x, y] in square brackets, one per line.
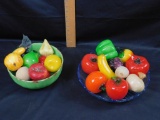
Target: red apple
[37, 71]
[89, 63]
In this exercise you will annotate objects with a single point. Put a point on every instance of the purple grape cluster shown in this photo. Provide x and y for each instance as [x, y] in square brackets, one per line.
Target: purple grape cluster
[115, 62]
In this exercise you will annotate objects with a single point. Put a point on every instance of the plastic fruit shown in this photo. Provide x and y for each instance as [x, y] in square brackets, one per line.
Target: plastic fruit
[13, 61]
[135, 83]
[115, 63]
[46, 49]
[19, 50]
[30, 58]
[137, 64]
[95, 82]
[125, 55]
[89, 63]
[37, 71]
[22, 73]
[52, 63]
[42, 59]
[117, 88]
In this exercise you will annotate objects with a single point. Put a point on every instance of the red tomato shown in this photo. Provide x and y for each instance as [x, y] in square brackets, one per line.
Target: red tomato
[95, 81]
[117, 89]
[137, 64]
[42, 59]
[89, 63]
[37, 71]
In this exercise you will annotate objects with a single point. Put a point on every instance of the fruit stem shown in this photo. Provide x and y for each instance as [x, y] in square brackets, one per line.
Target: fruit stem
[137, 61]
[116, 79]
[102, 88]
[94, 59]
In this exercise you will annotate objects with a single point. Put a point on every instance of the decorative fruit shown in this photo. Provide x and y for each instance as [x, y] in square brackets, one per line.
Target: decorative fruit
[42, 59]
[137, 64]
[135, 83]
[52, 63]
[89, 63]
[122, 72]
[125, 55]
[107, 48]
[104, 66]
[46, 49]
[19, 50]
[30, 58]
[141, 75]
[116, 88]
[13, 61]
[115, 62]
[95, 82]
[37, 71]
[22, 73]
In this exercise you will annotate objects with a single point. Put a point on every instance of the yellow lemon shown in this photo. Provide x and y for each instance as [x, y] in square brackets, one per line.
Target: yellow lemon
[52, 63]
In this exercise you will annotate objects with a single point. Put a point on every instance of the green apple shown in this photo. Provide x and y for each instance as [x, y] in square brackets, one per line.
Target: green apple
[30, 58]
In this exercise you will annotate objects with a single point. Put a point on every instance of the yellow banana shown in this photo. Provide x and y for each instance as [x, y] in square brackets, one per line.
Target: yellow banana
[104, 67]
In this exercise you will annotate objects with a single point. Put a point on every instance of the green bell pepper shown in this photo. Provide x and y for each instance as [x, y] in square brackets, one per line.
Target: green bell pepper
[107, 48]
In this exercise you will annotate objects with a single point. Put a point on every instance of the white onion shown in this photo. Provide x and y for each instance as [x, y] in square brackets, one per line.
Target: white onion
[122, 72]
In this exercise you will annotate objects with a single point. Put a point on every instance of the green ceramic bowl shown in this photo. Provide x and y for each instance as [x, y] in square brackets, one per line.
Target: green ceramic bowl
[41, 83]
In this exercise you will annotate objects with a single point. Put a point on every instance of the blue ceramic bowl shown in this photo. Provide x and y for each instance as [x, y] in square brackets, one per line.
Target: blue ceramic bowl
[103, 96]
